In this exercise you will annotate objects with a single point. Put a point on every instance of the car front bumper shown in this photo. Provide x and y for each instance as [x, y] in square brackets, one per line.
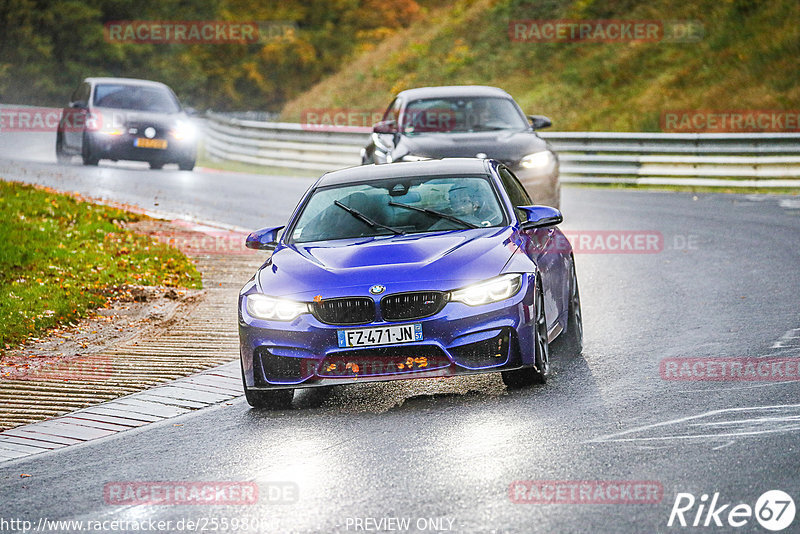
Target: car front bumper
[459, 340]
[122, 147]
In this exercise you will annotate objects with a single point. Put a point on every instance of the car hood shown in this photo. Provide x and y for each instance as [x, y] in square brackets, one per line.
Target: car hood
[507, 146]
[441, 261]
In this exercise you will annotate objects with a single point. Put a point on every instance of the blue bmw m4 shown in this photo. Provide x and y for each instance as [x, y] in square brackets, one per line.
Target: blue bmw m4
[428, 269]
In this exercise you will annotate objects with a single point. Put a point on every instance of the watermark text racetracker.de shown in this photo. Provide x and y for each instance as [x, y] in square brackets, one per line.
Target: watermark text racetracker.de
[30, 119]
[195, 31]
[730, 121]
[209, 242]
[585, 492]
[231, 493]
[168, 493]
[604, 31]
[613, 242]
[33, 119]
[94, 367]
[339, 119]
[768, 369]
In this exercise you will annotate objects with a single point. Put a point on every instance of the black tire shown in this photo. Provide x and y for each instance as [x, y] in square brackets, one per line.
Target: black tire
[186, 165]
[570, 343]
[88, 156]
[156, 165]
[538, 373]
[273, 400]
[62, 157]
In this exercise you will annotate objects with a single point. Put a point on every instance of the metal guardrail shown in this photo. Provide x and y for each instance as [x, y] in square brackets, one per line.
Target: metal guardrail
[732, 160]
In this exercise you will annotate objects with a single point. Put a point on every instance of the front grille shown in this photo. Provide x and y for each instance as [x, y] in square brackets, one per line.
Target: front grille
[415, 305]
[379, 361]
[347, 310]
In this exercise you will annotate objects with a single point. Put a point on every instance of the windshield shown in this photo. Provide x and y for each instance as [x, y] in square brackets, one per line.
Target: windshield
[398, 205]
[480, 114]
[135, 97]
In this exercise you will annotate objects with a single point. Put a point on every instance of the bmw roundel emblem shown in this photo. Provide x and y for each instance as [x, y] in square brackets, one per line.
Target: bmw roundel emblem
[150, 132]
[377, 289]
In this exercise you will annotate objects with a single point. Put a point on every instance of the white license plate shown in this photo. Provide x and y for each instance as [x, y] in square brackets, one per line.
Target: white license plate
[384, 335]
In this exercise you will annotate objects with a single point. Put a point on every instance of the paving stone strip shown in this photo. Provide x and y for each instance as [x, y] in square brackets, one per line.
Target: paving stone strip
[205, 338]
[178, 397]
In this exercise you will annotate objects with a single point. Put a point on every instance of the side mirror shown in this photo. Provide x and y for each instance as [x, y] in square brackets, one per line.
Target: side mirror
[385, 127]
[79, 104]
[264, 239]
[539, 121]
[540, 217]
[190, 111]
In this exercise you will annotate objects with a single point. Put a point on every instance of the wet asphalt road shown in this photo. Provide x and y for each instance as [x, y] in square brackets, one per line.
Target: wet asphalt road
[443, 454]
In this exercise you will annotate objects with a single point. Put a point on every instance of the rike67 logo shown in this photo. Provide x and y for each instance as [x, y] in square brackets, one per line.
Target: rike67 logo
[774, 510]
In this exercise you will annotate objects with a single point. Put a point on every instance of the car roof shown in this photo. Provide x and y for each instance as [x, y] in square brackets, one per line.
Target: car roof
[125, 81]
[439, 167]
[452, 91]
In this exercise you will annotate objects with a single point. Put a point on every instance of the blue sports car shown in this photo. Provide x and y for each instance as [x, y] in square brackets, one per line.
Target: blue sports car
[428, 269]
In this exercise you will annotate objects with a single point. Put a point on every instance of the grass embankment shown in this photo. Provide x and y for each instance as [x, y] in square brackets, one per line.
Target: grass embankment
[61, 257]
[747, 59]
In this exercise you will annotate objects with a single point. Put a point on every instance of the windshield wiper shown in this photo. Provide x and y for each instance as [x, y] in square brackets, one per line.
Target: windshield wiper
[366, 220]
[435, 213]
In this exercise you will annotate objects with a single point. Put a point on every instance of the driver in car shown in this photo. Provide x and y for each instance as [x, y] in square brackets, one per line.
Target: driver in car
[478, 115]
[467, 202]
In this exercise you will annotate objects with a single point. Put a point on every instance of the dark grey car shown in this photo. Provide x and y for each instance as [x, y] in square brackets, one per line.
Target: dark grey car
[467, 121]
[126, 119]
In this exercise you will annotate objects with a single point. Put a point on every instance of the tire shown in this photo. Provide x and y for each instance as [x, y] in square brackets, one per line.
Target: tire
[187, 165]
[570, 343]
[273, 400]
[88, 156]
[62, 157]
[538, 373]
[156, 165]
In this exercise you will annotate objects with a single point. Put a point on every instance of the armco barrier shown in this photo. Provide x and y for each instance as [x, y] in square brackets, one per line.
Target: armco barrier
[731, 160]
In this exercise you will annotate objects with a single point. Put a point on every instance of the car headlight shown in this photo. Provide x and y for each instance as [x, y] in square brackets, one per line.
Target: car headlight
[538, 160]
[263, 307]
[492, 290]
[183, 131]
[412, 157]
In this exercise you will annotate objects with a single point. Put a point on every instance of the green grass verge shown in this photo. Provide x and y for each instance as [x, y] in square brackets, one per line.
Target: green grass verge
[61, 257]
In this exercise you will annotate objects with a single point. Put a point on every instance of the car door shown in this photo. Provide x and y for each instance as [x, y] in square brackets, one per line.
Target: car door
[73, 117]
[539, 245]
